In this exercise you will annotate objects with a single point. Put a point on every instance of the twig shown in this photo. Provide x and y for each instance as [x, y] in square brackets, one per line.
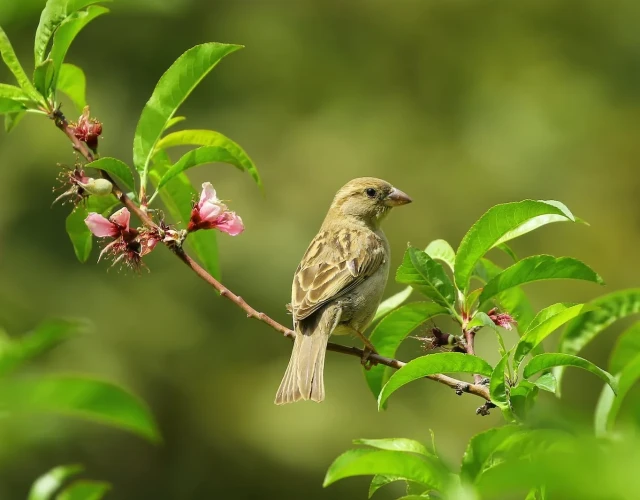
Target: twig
[79, 146]
[469, 337]
[476, 389]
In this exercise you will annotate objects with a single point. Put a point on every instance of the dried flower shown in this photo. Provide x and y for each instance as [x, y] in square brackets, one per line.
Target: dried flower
[210, 213]
[78, 187]
[87, 129]
[503, 320]
[148, 241]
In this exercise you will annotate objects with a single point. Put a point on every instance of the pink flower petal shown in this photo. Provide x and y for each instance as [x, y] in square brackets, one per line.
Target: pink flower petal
[100, 226]
[211, 210]
[121, 218]
[208, 194]
[231, 224]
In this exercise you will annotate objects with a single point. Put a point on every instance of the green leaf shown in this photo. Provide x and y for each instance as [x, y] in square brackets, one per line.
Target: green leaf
[43, 77]
[67, 32]
[536, 268]
[543, 362]
[514, 300]
[391, 331]
[396, 444]
[391, 303]
[498, 384]
[503, 223]
[54, 12]
[471, 299]
[548, 383]
[481, 447]
[627, 347]
[171, 123]
[442, 251]
[609, 403]
[582, 330]
[12, 119]
[79, 234]
[116, 167]
[507, 249]
[178, 196]
[74, 5]
[10, 59]
[431, 364]
[46, 485]
[364, 462]
[84, 490]
[481, 319]
[427, 276]
[523, 442]
[195, 158]
[546, 322]
[46, 336]
[523, 398]
[238, 157]
[10, 106]
[172, 89]
[82, 397]
[73, 83]
[13, 93]
[381, 480]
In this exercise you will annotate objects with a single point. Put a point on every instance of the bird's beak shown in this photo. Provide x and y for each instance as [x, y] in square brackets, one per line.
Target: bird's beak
[397, 197]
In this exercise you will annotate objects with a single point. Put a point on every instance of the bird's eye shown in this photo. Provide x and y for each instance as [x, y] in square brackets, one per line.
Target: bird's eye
[371, 193]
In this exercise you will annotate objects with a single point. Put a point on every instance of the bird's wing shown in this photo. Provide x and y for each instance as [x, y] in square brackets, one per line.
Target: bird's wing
[334, 263]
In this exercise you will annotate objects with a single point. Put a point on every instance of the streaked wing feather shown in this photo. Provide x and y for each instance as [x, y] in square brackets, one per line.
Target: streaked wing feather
[333, 265]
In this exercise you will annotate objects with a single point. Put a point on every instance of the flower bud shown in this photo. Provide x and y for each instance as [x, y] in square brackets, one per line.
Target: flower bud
[98, 187]
[87, 129]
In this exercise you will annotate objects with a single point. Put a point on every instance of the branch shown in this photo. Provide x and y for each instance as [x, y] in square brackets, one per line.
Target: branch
[469, 337]
[79, 146]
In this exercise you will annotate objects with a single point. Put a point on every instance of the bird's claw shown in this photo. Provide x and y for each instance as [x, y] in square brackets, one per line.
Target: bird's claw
[366, 360]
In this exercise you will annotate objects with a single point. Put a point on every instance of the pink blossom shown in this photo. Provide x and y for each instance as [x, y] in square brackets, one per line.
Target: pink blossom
[100, 226]
[113, 227]
[128, 245]
[210, 213]
[121, 219]
[231, 223]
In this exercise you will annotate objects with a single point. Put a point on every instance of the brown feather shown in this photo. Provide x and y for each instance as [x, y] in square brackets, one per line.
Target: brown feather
[333, 266]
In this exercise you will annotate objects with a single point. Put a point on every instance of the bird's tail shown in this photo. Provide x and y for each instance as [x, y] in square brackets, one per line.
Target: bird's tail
[304, 378]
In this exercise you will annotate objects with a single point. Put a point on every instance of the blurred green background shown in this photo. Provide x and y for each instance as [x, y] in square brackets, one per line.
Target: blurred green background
[462, 104]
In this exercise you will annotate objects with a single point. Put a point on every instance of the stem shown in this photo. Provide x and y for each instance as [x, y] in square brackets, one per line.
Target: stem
[153, 197]
[469, 337]
[459, 385]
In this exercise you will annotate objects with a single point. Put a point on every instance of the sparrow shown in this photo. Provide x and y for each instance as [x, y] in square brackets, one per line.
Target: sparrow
[339, 283]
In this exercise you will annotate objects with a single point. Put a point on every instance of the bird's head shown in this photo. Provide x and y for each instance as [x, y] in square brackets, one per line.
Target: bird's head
[367, 199]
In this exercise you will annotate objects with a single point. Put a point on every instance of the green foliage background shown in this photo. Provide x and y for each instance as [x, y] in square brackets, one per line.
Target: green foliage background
[461, 104]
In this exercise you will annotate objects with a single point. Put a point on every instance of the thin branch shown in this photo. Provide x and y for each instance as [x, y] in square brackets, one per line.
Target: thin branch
[459, 385]
[469, 337]
[79, 146]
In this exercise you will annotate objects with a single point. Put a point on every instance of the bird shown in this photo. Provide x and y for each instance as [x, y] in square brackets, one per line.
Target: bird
[339, 282]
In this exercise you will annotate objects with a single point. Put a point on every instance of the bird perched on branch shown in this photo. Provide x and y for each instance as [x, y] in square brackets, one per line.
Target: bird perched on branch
[339, 283]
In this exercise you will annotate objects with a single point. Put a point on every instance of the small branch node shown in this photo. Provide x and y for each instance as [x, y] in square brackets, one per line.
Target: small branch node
[462, 388]
[483, 410]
